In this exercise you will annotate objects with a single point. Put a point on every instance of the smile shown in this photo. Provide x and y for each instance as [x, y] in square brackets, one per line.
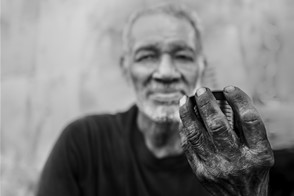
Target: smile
[166, 97]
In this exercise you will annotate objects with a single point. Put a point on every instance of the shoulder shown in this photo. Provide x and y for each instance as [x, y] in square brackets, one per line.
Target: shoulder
[100, 126]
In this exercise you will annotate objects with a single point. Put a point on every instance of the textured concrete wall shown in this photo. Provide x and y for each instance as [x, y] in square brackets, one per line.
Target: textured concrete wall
[60, 61]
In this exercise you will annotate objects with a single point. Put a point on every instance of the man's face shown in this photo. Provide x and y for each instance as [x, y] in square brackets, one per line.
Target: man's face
[162, 64]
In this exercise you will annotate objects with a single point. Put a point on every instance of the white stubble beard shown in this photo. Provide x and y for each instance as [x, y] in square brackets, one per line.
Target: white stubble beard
[160, 113]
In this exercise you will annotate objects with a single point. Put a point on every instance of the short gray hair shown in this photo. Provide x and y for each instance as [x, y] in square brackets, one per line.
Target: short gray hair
[176, 10]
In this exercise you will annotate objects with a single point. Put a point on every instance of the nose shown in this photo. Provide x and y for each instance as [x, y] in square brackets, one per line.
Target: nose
[166, 70]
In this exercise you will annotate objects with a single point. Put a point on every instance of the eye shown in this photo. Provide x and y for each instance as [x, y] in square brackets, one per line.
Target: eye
[184, 58]
[146, 58]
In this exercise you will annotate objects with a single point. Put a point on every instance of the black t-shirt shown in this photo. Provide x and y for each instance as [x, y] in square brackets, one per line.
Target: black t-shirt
[106, 155]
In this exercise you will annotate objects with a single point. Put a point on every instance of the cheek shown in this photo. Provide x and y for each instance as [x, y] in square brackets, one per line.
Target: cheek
[191, 76]
[139, 76]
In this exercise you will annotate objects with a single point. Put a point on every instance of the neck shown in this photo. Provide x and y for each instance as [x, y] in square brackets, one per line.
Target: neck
[161, 138]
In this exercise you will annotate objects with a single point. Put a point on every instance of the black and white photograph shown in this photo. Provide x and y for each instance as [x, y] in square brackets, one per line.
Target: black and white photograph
[147, 98]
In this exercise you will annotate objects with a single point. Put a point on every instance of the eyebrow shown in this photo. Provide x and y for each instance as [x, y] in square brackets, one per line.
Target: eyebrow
[149, 47]
[177, 48]
[174, 47]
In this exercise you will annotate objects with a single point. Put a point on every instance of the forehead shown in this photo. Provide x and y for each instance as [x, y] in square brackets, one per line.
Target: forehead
[162, 30]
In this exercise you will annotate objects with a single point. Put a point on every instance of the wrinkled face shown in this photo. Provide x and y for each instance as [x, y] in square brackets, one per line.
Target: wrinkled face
[162, 64]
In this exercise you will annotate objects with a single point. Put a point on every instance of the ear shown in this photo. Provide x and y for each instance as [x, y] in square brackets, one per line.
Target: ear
[123, 64]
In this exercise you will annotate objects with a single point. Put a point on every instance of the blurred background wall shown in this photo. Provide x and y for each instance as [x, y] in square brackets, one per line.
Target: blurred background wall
[60, 61]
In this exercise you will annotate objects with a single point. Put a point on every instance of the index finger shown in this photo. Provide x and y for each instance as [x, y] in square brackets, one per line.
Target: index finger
[192, 133]
[247, 117]
[215, 121]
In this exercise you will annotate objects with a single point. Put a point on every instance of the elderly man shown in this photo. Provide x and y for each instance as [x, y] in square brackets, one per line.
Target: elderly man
[141, 151]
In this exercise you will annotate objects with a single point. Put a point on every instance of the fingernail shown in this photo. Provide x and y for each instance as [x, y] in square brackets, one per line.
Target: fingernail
[183, 100]
[229, 89]
[200, 91]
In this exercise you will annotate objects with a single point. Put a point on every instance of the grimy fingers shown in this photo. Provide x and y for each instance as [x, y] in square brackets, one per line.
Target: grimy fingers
[247, 117]
[192, 134]
[215, 121]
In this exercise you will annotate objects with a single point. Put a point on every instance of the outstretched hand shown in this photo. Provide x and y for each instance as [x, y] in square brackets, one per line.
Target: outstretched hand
[227, 160]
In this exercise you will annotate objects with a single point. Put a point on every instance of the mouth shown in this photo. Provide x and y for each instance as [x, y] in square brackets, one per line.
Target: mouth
[166, 97]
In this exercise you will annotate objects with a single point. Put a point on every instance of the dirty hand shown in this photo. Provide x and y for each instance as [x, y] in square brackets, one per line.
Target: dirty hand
[226, 160]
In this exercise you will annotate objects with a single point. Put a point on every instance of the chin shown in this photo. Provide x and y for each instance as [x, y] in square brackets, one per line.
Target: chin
[161, 113]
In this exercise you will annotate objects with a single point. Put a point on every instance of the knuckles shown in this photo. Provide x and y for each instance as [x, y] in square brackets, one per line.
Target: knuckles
[217, 123]
[194, 137]
[250, 116]
[268, 161]
[256, 159]
[196, 140]
[265, 158]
